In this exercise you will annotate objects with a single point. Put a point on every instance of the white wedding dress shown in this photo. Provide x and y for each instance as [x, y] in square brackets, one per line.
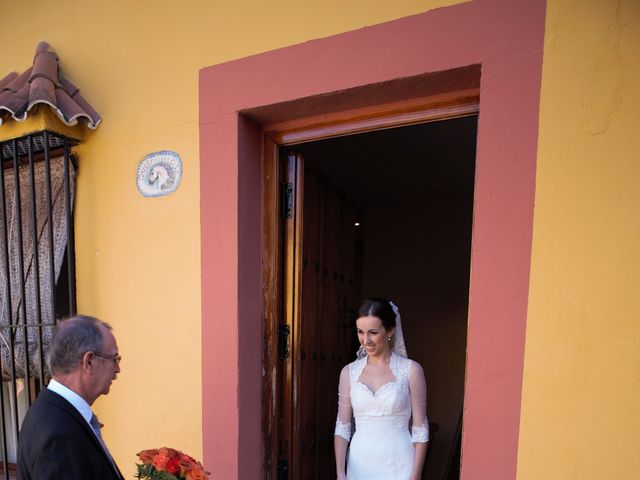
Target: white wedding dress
[382, 445]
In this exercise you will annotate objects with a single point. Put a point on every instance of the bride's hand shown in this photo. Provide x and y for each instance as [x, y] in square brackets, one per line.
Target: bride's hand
[342, 476]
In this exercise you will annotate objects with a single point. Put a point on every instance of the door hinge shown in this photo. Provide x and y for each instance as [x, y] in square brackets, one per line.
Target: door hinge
[283, 342]
[286, 199]
[283, 469]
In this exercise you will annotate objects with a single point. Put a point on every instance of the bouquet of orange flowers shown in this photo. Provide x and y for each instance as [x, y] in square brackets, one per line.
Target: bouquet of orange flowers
[169, 464]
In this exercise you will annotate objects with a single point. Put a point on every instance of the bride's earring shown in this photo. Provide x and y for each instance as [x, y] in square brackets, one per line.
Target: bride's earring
[388, 339]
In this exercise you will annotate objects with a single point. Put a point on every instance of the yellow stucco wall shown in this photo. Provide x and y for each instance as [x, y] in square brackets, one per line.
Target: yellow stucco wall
[580, 415]
[138, 261]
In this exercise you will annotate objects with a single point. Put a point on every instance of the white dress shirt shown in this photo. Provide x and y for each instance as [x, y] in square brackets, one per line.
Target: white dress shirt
[79, 403]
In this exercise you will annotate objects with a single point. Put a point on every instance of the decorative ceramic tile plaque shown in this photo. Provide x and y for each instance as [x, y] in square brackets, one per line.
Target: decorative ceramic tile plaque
[159, 173]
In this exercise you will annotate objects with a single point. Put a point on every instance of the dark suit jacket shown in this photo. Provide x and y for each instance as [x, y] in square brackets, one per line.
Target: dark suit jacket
[57, 443]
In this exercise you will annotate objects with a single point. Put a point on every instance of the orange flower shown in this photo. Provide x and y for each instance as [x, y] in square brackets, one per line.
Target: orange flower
[146, 456]
[196, 474]
[160, 462]
[173, 467]
[164, 451]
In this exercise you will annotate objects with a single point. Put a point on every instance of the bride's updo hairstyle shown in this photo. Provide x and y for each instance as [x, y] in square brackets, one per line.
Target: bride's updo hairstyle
[378, 307]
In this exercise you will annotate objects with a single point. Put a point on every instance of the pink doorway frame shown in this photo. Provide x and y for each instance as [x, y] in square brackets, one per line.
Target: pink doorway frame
[504, 37]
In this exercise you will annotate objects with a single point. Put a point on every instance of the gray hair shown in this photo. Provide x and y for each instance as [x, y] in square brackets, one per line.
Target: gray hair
[72, 338]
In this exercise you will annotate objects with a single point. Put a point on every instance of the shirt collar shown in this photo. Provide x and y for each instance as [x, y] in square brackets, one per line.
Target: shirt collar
[79, 403]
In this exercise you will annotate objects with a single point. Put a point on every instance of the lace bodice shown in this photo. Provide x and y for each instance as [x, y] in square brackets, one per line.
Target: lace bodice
[390, 399]
[393, 405]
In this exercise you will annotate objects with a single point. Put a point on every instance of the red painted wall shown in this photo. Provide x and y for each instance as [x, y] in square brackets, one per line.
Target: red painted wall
[505, 37]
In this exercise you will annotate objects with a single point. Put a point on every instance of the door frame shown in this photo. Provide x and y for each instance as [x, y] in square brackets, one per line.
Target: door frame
[279, 245]
[388, 62]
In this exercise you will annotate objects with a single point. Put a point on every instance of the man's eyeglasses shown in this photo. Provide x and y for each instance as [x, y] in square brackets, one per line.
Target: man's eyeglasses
[115, 358]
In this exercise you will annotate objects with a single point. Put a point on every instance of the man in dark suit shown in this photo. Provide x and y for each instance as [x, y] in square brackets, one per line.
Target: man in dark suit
[60, 437]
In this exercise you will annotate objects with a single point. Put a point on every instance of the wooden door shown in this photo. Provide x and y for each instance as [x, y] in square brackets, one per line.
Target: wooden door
[319, 297]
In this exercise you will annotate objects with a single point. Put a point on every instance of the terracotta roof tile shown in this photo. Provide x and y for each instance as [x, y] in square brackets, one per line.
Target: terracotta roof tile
[6, 80]
[43, 83]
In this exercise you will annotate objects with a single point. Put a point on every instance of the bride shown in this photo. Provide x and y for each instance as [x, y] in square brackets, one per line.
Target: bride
[384, 391]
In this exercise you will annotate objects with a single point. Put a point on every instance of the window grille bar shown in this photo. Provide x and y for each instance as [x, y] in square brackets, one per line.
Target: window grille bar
[52, 271]
[23, 293]
[36, 265]
[14, 386]
[3, 419]
[70, 240]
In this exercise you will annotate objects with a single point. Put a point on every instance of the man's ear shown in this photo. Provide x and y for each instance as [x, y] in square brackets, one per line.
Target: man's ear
[87, 360]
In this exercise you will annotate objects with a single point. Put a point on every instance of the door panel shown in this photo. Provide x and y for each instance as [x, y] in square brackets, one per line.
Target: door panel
[319, 297]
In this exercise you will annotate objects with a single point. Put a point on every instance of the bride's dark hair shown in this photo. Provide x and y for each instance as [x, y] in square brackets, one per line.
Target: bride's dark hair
[381, 308]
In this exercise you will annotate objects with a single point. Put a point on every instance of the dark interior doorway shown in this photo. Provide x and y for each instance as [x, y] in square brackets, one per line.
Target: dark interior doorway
[386, 213]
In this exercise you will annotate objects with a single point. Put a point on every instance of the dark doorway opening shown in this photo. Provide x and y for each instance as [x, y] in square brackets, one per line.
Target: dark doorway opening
[385, 213]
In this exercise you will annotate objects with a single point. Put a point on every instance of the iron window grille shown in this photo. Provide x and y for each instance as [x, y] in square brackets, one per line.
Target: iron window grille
[37, 270]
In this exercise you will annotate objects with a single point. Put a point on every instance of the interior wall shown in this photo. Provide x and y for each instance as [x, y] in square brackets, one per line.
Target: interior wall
[418, 255]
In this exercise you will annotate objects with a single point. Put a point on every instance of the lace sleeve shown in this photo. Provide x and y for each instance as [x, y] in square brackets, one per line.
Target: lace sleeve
[418, 389]
[343, 422]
